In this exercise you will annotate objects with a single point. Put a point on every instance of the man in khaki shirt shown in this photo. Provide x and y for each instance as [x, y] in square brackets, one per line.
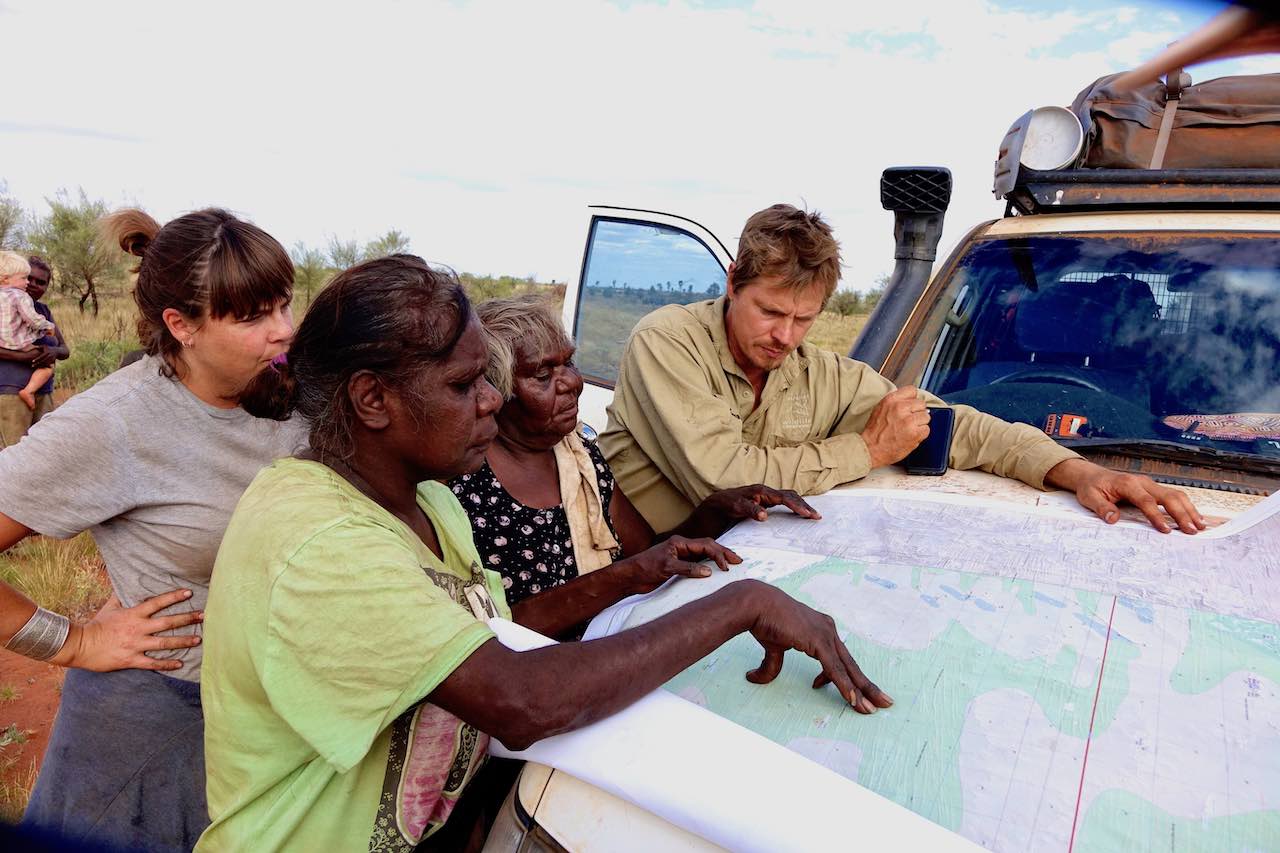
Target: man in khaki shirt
[724, 393]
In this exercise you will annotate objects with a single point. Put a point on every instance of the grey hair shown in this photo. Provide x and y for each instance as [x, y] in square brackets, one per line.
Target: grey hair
[513, 322]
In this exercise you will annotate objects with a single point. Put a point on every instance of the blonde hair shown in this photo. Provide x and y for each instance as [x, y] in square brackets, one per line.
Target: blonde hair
[528, 321]
[795, 244]
[11, 263]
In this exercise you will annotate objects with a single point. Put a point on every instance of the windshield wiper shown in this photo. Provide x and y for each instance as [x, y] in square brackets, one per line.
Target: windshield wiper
[1155, 448]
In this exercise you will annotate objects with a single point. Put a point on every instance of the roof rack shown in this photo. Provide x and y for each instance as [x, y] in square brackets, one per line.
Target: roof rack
[1185, 189]
[1030, 191]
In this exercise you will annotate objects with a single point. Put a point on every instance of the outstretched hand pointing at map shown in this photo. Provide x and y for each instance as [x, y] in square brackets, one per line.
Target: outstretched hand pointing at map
[783, 623]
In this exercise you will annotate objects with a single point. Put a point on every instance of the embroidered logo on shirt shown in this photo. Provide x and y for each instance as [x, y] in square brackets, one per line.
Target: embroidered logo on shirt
[797, 415]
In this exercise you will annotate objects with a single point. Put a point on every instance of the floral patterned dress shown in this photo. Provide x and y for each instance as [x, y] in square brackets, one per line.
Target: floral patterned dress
[530, 547]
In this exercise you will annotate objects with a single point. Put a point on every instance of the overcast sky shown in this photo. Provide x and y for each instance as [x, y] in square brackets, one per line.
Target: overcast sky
[484, 129]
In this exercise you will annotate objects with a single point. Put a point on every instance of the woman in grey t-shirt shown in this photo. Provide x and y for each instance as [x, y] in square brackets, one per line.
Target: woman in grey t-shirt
[151, 460]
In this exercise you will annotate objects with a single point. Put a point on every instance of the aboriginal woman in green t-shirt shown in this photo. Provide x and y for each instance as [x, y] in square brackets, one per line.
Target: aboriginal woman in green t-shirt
[350, 681]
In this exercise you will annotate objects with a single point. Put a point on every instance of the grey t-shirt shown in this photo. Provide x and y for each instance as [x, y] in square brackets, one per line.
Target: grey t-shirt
[152, 472]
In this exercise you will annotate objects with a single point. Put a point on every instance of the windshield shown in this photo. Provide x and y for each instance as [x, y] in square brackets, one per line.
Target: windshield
[1173, 337]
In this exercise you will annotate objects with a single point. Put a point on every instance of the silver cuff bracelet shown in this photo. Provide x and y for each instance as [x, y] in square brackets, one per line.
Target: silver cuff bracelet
[42, 637]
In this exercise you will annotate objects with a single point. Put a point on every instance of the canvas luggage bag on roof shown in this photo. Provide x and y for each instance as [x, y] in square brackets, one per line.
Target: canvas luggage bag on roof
[1225, 123]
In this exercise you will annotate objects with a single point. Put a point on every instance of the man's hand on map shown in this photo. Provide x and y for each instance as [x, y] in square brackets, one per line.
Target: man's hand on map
[783, 623]
[897, 425]
[1101, 490]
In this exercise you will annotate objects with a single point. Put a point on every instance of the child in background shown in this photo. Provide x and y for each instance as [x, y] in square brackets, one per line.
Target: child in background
[20, 324]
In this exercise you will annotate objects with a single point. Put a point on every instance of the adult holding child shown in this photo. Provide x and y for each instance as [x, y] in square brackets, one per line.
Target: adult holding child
[351, 682]
[150, 461]
[545, 511]
[51, 348]
[27, 368]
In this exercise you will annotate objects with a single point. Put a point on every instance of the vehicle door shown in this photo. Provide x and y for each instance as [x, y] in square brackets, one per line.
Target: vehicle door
[635, 262]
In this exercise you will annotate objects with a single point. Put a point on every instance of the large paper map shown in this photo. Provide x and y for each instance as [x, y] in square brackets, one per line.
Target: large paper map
[1059, 684]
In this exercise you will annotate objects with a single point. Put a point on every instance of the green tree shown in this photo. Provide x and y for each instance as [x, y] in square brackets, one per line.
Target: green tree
[68, 237]
[11, 234]
[845, 303]
[479, 288]
[391, 243]
[348, 253]
[872, 297]
[343, 253]
[310, 272]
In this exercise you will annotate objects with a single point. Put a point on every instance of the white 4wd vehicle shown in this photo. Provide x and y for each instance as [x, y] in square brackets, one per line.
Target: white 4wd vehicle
[1133, 315]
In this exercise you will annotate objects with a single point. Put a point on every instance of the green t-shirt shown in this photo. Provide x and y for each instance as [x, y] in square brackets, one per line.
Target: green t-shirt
[328, 622]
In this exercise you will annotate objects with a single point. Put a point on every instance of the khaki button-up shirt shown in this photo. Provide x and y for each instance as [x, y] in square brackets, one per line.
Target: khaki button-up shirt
[681, 424]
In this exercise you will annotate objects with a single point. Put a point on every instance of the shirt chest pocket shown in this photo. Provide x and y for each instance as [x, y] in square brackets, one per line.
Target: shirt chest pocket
[793, 419]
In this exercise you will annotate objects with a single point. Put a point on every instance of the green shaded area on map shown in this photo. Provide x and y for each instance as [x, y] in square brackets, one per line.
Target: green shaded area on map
[909, 753]
[1024, 590]
[1220, 645]
[995, 681]
[1121, 820]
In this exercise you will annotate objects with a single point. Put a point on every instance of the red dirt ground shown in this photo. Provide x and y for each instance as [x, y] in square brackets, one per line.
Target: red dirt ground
[39, 688]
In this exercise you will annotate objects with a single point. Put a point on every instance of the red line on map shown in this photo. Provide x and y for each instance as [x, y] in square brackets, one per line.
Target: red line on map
[1084, 765]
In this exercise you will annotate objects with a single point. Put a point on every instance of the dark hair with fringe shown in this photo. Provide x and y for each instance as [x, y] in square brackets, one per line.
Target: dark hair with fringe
[391, 316]
[204, 264]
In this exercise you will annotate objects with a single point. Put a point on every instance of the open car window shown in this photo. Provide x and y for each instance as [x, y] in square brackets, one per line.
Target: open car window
[1173, 338]
[631, 268]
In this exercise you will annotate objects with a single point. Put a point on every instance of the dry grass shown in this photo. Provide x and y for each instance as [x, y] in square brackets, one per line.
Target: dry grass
[833, 332]
[12, 735]
[66, 576]
[97, 341]
[117, 318]
[15, 788]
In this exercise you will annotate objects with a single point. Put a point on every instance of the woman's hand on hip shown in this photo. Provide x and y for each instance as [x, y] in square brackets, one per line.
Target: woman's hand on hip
[119, 637]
